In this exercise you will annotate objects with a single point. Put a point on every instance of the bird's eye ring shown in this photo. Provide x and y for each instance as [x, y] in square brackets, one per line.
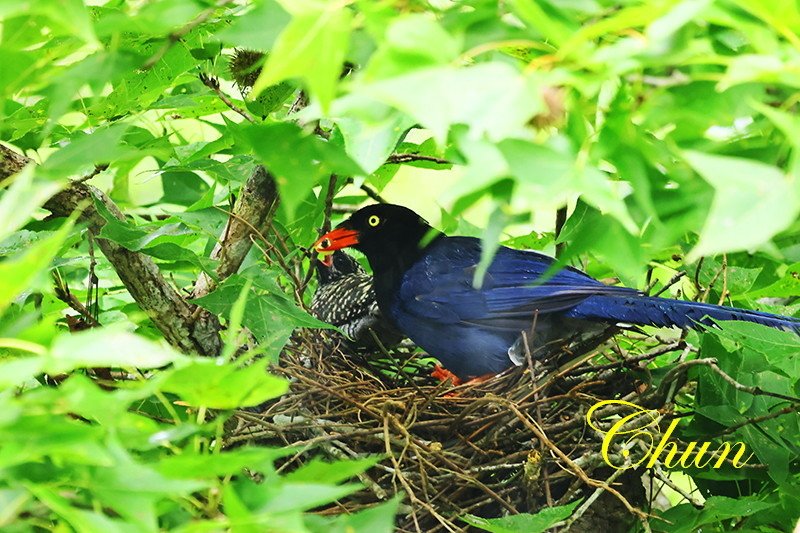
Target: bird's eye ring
[374, 220]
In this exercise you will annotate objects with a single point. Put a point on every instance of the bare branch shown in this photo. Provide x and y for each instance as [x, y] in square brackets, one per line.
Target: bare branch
[561, 219]
[326, 224]
[213, 84]
[63, 293]
[252, 213]
[10, 163]
[410, 158]
[372, 193]
[184, 325]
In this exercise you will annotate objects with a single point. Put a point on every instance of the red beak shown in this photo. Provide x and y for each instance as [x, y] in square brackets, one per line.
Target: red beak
[335, 240]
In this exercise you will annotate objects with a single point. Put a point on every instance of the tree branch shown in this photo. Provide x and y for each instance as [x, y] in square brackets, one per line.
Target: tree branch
[410, 158]
[253, 210]
[213, 84]
[184, 325]
[10, 163]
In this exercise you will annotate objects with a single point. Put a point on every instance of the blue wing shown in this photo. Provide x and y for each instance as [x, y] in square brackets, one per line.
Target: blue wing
[440, 286]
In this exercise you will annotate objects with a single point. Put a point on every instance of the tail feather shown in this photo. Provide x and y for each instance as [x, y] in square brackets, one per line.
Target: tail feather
[653, 311]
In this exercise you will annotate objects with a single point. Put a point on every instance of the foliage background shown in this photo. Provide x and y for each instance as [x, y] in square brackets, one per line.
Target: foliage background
[666, 130]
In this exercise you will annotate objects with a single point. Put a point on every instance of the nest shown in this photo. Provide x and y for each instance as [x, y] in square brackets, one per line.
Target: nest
[516, 443]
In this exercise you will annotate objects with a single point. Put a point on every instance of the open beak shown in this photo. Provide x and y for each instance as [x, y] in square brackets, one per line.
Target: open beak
[335, 240]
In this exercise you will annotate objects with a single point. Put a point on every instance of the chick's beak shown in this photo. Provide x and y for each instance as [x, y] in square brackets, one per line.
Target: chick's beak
[335, 240]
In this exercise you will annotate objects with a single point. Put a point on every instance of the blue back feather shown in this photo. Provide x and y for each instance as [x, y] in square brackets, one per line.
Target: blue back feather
[470, 330]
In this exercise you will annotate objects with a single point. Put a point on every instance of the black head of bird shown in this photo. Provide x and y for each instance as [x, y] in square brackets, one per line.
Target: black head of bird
[385, 233]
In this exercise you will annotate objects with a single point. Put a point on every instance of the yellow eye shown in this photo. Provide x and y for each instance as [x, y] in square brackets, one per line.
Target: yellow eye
[374, 220]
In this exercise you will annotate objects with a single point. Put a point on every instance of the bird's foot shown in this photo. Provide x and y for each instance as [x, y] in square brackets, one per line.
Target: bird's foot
[442, 374]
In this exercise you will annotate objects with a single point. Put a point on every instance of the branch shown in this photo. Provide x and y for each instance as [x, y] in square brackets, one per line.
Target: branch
[213, 84]
[326, 223]
[10, 163]
[372, 193]
[410, 158]
[574, 468]
[681, 368]
[252, 213]
[65, 295]
[561, 219]
[184, 325]
[344, 209]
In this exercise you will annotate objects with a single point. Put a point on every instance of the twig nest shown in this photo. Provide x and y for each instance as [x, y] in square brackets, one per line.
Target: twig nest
[512, 444]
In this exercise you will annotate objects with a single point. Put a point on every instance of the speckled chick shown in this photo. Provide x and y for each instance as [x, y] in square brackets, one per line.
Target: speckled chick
[345, 298]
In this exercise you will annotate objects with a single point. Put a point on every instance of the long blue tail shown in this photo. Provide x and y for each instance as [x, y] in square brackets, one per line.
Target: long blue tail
[653, 311]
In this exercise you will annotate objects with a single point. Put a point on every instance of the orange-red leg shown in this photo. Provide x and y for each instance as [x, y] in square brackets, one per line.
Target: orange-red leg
[442, 374]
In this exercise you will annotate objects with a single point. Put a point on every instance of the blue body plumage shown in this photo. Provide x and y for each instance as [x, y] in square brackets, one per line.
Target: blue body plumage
[427, 291]
[471, 330]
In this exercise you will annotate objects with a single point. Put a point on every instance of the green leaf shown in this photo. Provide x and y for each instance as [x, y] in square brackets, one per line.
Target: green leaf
[181, 187]
[163, 240]
[376, 519]
[19, 272]
[412, 42]
[751, 68]
[685, 518]
[780, 348]
[208, 383]
[84, 151]
[107, 347]
[15, 372]
[529, 523]
[490, 240]
[787, 286]
[549, 176]
[21, 240]
[494, 99]
[132, 237]
[133, 488]
[303, 496]
[663, 29]
[753, 202]
[588, 230]
[772, 447]
[192, 465]
[79, 519]
[81, 396]
[259, 28]
[297, 161]
[269, 313]
[34, 437]
[312, 47]
[788, 123]
[321, 472]
[26, 194]
[270, 99]
[70, 17]
[370, 141]
[552, 28]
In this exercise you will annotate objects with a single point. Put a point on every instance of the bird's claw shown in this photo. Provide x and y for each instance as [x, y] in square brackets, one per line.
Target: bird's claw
[442, 374]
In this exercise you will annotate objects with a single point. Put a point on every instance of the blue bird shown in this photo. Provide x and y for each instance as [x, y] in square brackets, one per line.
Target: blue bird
[424, 283]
